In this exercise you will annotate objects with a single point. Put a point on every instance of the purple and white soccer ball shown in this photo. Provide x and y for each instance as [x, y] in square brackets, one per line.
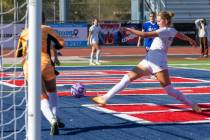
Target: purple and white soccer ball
[78, 90]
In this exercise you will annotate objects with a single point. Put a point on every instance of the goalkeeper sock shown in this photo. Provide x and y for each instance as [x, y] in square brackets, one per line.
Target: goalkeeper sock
[117, 88]
[45, 108]
[53, 102]
[177, 94]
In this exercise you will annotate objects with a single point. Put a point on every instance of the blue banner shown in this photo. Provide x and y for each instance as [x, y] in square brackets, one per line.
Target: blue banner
[74, 34]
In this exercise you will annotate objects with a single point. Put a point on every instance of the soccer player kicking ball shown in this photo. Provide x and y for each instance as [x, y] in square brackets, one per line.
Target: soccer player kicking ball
[155, 61]
[48, 95]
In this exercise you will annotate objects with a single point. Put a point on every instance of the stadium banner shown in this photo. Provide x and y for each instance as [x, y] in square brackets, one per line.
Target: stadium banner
[128, 39]
[109, 34]
[74, 34]
[10, 34]
[187, 29]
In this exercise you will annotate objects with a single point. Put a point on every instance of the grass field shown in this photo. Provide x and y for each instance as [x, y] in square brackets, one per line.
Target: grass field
[181, 63]
[195, 64]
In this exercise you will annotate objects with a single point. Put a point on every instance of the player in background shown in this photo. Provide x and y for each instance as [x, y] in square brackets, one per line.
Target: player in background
[202, 34]
[49, 91]
[155, 61]
[93, 41]
[149, 26]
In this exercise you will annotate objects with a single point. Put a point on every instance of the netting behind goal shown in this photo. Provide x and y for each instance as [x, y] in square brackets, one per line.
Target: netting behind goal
[13, 97]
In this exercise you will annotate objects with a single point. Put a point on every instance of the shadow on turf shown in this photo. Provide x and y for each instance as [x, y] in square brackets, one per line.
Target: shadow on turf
[118, 126]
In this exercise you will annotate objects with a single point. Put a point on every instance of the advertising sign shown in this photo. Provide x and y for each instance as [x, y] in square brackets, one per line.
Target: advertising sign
[74, 34]
[10, 34]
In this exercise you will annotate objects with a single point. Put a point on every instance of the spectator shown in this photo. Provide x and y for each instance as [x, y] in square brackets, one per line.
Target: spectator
[202, 34]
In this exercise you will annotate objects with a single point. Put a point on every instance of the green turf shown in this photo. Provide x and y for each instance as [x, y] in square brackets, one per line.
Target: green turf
[181, 63]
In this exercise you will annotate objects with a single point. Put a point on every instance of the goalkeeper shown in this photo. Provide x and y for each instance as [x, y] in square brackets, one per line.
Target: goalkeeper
[49, 95]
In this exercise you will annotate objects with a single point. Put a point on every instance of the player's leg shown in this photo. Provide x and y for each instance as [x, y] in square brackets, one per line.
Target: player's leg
[93, 50]
[137, 72]
[47, 112]
[205, 47]
[201, 46]
[98, 52]
[52, 94]
[50, 82]
[164, 79]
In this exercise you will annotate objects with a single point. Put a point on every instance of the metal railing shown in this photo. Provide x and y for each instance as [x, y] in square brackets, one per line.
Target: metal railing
[156, 5]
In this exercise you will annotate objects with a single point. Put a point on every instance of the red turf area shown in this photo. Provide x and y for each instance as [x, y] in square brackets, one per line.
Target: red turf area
[198, 90]
[162, 113]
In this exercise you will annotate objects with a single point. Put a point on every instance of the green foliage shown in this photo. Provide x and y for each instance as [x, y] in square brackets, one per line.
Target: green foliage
[110, 10]
[80, 10]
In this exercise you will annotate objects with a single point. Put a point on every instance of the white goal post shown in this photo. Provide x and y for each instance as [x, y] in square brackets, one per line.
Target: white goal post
[34, 74]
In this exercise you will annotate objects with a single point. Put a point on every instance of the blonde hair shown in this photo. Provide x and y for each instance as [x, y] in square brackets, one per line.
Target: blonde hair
[166, 15]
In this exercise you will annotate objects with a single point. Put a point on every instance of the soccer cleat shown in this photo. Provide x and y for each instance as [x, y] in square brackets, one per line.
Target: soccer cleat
[60, 124]
[98, 63]
[99, 100]
[92, 64]
[205, 56]
[54, 127]
[196, 108]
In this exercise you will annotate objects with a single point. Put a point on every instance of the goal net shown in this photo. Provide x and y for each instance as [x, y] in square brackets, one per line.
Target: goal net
[13, 87]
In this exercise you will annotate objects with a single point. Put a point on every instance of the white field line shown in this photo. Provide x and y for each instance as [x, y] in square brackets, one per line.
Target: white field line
[126, 115]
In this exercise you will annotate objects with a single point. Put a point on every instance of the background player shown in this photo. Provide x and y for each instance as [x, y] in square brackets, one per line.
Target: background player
[149, 26]
[93, 41]
[49, 91]
[155, 62]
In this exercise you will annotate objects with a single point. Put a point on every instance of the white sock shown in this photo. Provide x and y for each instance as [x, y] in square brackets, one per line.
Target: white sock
[45, 108]
[91, 57]
[177, 94]
[53, 103]
[117, 88]
[98, 52]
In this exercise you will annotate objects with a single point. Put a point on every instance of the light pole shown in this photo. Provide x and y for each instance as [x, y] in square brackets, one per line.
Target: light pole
[54, 11]
[99, 9]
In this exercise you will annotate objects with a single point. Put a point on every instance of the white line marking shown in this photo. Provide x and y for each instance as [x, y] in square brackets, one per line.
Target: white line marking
[126, 115]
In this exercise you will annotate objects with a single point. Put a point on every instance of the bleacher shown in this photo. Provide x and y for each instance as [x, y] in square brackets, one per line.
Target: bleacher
[186, 11]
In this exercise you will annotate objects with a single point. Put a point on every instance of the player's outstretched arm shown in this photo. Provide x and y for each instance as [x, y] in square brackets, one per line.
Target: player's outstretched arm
[142, 34]
[186, 38]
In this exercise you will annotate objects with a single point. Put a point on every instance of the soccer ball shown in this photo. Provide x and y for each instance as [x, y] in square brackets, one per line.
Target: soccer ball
[78, 90]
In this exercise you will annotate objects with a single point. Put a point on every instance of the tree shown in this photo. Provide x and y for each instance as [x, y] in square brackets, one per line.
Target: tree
[80, 10]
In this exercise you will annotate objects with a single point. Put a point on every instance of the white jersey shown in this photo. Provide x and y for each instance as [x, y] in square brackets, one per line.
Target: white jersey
[95, 30]
[156, 58]
[202, 29]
